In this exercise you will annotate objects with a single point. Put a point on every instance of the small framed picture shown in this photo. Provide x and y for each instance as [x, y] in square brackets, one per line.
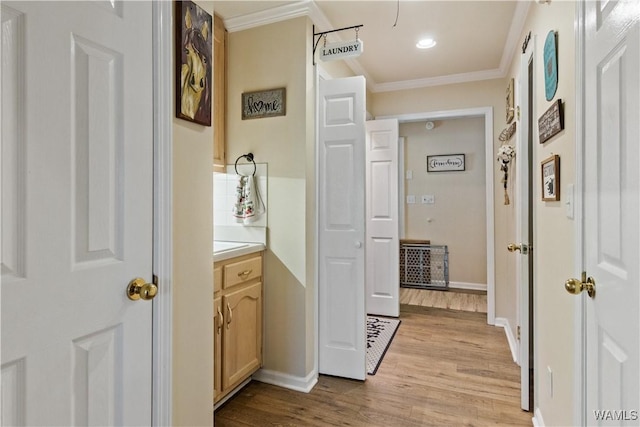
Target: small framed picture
[551, 179]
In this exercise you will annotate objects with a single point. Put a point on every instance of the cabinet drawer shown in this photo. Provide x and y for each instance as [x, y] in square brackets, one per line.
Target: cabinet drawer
[217, 278]
[242, 271]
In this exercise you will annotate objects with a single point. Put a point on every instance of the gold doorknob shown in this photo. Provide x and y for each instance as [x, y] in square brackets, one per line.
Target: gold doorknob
[576, 286]
[512, 247]
[523, 248]
[139, 289]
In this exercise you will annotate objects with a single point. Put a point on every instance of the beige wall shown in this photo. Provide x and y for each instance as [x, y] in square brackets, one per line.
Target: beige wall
[458, 216]
[554, 232]
[286, 144]
[192, 271]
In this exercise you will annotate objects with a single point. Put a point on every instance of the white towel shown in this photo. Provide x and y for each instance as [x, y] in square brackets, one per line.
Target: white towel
[249, 205]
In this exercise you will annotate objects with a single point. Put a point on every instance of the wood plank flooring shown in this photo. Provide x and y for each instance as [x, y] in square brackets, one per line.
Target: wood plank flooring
[443, 368]
[453, 299]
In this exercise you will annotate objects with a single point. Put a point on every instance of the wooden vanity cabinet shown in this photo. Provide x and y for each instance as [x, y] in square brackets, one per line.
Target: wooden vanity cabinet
[237, 322]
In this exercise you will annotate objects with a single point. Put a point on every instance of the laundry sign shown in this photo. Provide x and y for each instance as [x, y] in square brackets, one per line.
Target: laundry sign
[341, 50]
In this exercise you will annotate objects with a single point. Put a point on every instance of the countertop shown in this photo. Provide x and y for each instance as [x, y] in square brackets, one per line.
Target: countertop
[223, 250]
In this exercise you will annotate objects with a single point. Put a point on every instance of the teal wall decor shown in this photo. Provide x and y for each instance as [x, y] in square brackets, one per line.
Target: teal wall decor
[550, 65]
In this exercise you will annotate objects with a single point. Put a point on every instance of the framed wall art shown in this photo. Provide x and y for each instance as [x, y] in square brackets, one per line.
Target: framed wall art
[551, 179]
[510, 107]
[445, 163]
[264, 103]
[193, 63]
[551, 122]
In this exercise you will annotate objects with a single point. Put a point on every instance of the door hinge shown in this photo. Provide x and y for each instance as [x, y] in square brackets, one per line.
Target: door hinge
[518, 332]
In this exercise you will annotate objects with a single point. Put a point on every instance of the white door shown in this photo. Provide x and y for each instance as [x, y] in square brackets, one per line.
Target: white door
[341, 213]
[76, 212]
[611, 236]
[382, 263]
[524, 232]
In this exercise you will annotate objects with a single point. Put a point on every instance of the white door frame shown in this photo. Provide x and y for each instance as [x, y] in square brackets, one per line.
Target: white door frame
[161, 405]
[522, 216]
[579, 344]
[487, 114]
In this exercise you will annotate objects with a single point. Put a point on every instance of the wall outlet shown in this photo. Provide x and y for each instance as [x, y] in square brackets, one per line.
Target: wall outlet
[428, 199]
[411, 199]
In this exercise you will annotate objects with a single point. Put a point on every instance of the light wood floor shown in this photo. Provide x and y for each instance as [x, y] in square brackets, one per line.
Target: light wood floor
[453, 299]
[443, 368]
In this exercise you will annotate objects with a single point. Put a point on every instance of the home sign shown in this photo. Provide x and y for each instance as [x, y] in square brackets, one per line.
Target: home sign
[264, 103]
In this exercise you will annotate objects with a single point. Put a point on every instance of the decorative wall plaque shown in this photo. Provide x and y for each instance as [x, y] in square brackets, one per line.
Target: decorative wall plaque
[550, 65]
[551, 179]
[264, 103]
[445, 163]
[510, 108]
[551, 122]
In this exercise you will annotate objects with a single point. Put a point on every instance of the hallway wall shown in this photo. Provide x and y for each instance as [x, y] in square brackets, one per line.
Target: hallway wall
[554, 233]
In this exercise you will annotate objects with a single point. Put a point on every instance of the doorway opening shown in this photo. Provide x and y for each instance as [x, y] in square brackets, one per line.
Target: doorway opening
[486, 115]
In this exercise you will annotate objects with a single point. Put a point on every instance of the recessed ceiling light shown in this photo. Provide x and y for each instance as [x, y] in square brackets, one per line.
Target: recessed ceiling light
[426, 43]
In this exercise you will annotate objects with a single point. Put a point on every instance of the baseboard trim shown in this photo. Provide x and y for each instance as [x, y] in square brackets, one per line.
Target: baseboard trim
[292, 382]
[467, 285]
[537, 418]
[513, 343]
[231, 394]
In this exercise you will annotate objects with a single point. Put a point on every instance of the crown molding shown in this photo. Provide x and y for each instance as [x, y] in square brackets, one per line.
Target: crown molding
[513, 37]
[438, 81]
[270, 16]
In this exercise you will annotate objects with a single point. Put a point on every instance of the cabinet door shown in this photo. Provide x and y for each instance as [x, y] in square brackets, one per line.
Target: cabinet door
[242, 347]
[218, 327]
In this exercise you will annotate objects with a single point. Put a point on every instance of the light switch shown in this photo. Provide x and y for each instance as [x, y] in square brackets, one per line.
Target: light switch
[568, 203]
[428, 199]
[411, 199]
[409, 174]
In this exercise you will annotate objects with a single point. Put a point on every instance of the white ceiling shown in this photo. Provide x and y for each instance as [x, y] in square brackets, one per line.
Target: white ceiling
[476, 40]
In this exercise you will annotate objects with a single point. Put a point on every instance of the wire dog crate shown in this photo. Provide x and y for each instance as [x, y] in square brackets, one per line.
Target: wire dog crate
[423, 265]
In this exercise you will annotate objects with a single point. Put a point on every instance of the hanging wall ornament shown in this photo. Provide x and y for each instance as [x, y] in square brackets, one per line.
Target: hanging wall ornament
[506, 153]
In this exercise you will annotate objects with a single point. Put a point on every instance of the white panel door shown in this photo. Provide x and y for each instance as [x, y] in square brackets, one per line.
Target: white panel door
[341, 264]
[382, 263]
[611, 211]
[77, 217]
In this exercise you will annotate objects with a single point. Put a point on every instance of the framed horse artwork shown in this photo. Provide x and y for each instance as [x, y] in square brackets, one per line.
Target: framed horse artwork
[193, 63]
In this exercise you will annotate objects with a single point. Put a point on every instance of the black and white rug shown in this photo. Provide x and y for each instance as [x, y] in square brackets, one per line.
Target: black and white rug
[380, 332]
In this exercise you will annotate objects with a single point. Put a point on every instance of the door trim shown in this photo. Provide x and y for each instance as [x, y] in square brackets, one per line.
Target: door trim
[487, 113]
[579, 336]
[524, 301]
[161, 405]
